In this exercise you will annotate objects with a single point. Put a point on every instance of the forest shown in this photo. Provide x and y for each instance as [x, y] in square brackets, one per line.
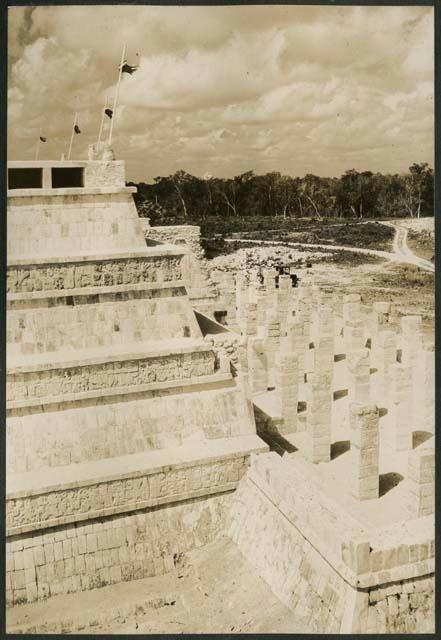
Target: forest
[182, 198]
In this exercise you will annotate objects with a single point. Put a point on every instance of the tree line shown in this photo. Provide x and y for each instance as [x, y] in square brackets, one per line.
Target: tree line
[184, 198]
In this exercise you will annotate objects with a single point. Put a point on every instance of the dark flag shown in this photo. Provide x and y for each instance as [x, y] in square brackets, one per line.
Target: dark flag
[43, 139]
[128, 68]
[108, 113]
[77, 129]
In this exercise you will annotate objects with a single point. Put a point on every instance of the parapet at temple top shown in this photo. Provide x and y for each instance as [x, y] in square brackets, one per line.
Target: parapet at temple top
[101, 170]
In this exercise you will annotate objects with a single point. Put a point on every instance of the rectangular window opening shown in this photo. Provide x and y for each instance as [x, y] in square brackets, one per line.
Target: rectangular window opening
[25, 178]
[67, 177]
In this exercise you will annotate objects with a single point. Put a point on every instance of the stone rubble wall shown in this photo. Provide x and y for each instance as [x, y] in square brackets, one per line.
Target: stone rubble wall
[88, 555]
[182, 234]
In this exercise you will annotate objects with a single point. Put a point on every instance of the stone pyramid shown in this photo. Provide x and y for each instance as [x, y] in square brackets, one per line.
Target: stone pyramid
[115, 403]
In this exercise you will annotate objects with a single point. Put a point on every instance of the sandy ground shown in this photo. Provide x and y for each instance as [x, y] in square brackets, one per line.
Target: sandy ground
[212, 590]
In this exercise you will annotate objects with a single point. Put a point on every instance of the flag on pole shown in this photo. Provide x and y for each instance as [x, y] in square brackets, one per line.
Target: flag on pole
[77, 129]
[128, 68]
[43, 139]
[109, 112]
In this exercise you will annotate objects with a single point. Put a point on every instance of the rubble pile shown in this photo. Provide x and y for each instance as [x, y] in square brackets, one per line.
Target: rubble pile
[253, 258]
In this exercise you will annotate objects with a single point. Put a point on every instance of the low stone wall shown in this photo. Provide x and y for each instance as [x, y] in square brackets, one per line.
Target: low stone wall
[183, 234]
[103, 551]
[319, 560]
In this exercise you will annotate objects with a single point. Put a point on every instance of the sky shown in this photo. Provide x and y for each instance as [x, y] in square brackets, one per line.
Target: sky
[223, 90]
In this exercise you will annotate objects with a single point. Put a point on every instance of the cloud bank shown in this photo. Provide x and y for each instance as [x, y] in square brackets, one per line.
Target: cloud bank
[227, 89]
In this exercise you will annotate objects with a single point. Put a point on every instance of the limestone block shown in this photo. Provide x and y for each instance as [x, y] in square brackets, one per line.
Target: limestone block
[353, 332]
[364, 451]
[386, 356]
[257, 365]
[286, 380]
[401, 405]
[411, 338]
[351, 307]
[358, 363]
[319, 406]
[423, 381]
[421, 481]
[324, 355]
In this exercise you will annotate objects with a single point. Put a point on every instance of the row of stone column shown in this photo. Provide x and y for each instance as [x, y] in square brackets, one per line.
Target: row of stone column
[365, 449]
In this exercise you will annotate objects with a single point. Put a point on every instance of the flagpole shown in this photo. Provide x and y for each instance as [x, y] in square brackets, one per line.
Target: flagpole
[37, 149]
[72, 135]
[102, 121]
[116, 94]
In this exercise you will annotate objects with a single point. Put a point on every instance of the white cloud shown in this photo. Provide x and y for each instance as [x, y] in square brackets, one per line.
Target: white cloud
[226, 89]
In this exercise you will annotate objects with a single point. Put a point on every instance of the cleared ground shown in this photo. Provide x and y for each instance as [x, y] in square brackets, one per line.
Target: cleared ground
[213, 588]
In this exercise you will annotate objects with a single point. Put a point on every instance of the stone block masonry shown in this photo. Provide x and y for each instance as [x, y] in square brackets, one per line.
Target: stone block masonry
[318, 560]
[287, 385]
[421, 481]
[87, 555]
[48, 382]
[364, 451]
[401, 405]
[319, 417]
[69, 276]
[359, 375]
[116, 405]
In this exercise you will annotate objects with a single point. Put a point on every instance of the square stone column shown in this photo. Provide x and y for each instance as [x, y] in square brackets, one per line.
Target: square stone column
[401, 405]
[386, 356]
[47, 177]
[324, 355]
[421, 482]
[287, 388]
[424, 389]
[325, 321]
[359, 388]
[262, 307]
[283, 299]
[296, 345]
[381, 312]
[411, 339]
[351, 307]
[257, 365]
[250, 321]
[319, 410]
[272, 344]
[353, 333]
[269, 279]
[241, 299]
[364, 450]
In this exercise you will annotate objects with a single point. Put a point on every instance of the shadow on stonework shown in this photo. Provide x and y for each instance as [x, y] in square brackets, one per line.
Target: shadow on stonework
[418, 437]
[339, 447]
[388, 481]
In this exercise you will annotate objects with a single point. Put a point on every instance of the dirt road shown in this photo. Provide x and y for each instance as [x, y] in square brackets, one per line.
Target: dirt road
[401, 252]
